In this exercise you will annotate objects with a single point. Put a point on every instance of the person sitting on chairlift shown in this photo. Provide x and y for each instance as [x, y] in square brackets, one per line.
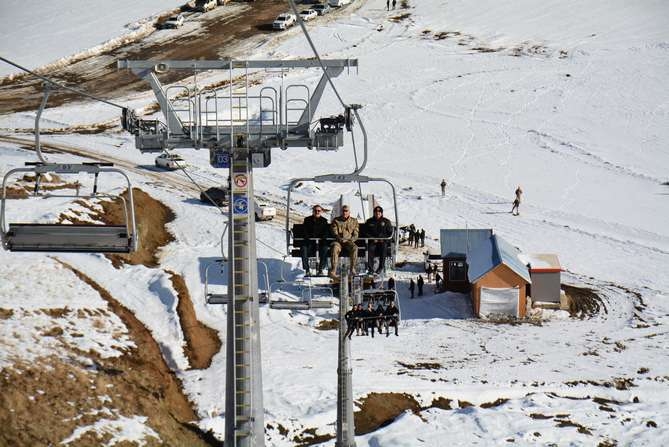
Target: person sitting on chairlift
[345, 230]
[392, 315]
[379, 227]
[316, 230]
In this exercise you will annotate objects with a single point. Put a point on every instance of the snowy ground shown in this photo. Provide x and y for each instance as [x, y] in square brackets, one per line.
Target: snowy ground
[565, 98]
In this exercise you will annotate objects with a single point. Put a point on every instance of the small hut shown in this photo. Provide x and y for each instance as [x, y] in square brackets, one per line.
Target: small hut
[456, 244]
[545, 274]
[499, 279]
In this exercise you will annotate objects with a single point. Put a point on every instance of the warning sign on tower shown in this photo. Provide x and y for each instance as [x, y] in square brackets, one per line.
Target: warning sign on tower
[241, 181]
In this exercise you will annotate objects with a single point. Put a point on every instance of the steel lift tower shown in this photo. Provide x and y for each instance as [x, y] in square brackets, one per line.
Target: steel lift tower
[239, 128]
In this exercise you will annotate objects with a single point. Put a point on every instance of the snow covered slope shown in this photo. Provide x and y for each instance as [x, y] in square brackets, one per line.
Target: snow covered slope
[567, 99]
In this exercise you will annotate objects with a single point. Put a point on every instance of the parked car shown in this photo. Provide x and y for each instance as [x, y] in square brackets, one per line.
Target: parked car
[174, 21]
[284, 21]
[308, 14]
[215, 196]
[321, 8]
[205, 5]
[264, 212]
[170, 161]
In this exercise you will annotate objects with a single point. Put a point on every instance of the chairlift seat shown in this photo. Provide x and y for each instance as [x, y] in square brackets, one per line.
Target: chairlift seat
[78, 238]
[300, 305]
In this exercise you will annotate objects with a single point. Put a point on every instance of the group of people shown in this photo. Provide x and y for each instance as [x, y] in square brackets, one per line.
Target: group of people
[388, 4]
[365, 320]
[414, 236]
[345, 230]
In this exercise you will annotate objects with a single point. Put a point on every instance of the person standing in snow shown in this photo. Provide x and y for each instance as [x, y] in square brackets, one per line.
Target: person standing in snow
[516, 203]
[394, 3]
[391, 283]
[443, 187]
[437, 280]
[428, 270]
[420, 285]
[387, 5]
[422, 237]
[350, 322]
[412, 287]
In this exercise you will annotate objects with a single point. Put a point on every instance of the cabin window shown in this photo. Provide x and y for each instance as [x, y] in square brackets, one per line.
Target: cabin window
[457, 271]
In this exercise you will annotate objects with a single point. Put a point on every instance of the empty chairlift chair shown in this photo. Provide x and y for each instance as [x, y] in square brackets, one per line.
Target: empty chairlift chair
[75, 238]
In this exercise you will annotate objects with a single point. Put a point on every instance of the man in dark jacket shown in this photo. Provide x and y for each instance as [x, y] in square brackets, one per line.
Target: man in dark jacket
[412, 287]
[350, 322]
[392, 314]
[420, 285]
[380, 230]
[316, 230]
[391, 283]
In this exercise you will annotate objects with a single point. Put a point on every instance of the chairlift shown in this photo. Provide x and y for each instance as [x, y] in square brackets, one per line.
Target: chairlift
[295, 233]
[381, 296]
[312, 296]
[222, 298]
[75, 238]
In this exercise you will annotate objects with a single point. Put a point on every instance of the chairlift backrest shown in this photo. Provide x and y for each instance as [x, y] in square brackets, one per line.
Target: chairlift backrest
[75, 238]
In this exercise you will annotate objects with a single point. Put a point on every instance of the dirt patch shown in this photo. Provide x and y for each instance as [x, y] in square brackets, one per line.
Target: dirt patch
[420, 365]
[328, 325]
[16, 192]
[6, 313]
[580, 428]
[152, 218]
[43, 402]
[309, 437]
[84, 129]
[583, 302]
[380, 409]
[202, 342]
[496, 403]
[442, 403]
[399, 18]
[221, 34]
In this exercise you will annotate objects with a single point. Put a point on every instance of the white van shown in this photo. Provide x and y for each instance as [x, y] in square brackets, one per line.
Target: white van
[264, 212]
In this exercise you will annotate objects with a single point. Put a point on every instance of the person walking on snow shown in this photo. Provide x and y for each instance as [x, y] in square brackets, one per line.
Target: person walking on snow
[387, 5]
[516, 203]
[412, 287]
[394, 3]
[443, 187]
[422, 237]
[420, 285]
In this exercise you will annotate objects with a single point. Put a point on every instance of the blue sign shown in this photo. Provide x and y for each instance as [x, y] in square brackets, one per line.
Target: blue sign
[240, 205]
[220, 159]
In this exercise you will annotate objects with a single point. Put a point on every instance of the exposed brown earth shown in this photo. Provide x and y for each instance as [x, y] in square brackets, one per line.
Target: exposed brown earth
[380, 409]
[45, 401]
[152, 217]
[219, 36]
[202, 342]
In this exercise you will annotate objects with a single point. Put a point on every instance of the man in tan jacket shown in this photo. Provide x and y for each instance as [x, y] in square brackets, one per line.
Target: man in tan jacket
[345, 230]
